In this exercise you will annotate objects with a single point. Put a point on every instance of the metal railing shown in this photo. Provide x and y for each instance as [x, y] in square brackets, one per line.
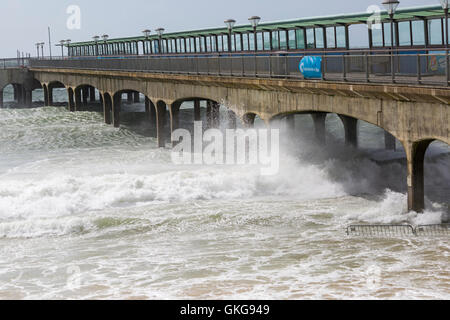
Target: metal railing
[424, 69]
[370, 231]
[14, 63]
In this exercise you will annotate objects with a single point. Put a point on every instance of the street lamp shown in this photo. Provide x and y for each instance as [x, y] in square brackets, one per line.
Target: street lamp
[146, 33]
[391, 6]
[230, 24]
[61, 44]
[42, 49]
[255, 21]
[37, 48]
[105, 38]
[160, 32]
[96, 38]
[68, 41]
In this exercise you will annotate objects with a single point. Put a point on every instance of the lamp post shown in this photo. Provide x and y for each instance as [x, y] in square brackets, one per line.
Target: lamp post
[105, 38]
[255, 21]
[96, 38]
[68, 41]
[391, 6]
[37, 48]
[230, 24]
[146, 33]
[61, 44]
[444, 4]
[42, 49]
[160, 32]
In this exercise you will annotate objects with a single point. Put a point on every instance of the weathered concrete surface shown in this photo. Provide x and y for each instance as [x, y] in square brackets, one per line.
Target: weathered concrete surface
[23, 80]
[415, 115]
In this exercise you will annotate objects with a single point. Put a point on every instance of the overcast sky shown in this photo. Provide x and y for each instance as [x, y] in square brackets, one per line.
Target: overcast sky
[25, 22]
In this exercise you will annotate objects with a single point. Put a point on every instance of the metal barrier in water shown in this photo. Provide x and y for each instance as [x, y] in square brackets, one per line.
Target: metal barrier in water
[398, 230]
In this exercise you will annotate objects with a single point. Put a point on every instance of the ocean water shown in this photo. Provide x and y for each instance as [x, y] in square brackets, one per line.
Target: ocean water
[88, 211]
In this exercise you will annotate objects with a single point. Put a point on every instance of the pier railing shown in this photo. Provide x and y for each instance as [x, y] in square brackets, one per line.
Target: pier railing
[14, 63]
[424, 69]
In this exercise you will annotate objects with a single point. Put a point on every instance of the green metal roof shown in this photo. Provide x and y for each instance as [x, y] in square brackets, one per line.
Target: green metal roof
[345, 19]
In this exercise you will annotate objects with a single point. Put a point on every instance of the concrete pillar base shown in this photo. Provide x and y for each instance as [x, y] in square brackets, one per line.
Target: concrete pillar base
[351, 131]
[136, 97]
[197, 110]
[92, 94]
[232, 120]
[116, 106]
[319, 127]
[160, 123]
[416, 182]
[1, 98]
[78, 105]
[107, 109]
[71, 103]
[130, 97]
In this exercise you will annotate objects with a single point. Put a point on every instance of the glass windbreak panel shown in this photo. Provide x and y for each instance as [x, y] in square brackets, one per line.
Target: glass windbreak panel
[193, 49]
[245, 41]
[300, 39]
[283, 40]
[331, 38]
[225, 42]
[310, 44]
[377, 35]
[213, 44]
[178, 46]
[260, 41]
[220, 43]
[182, 47]
[435, 31]
[340, 37]
[251, 41]
[292, 42]
[266, 41]
[387, 35]
[238, 42]
[404, 33]
[197, 45]
[418, 33]
[275, 44]
[319, 38]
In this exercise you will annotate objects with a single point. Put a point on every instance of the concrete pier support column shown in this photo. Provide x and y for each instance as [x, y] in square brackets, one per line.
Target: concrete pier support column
[107, 108]
[50, 95]
[116, 106]
[20, 94]
[71, 99]
[78, 104]
[215, 110]
[147, 109]
[92, 94]
[130, 97]
[319, 119]
[197, 110]
[1, 98]
[174, 117]
[46, 102]
[415, 154]
[209, 115]
[28, 98]
[85, 93]
[232, 120]
[389, 141]
[351, 130]
[16, 93]
[249, 121]
[137, 97]
[161, 110]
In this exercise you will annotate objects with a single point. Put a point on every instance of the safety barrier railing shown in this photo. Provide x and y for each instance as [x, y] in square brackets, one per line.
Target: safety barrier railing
[14, 63]
[424, 69]
[386, 230]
